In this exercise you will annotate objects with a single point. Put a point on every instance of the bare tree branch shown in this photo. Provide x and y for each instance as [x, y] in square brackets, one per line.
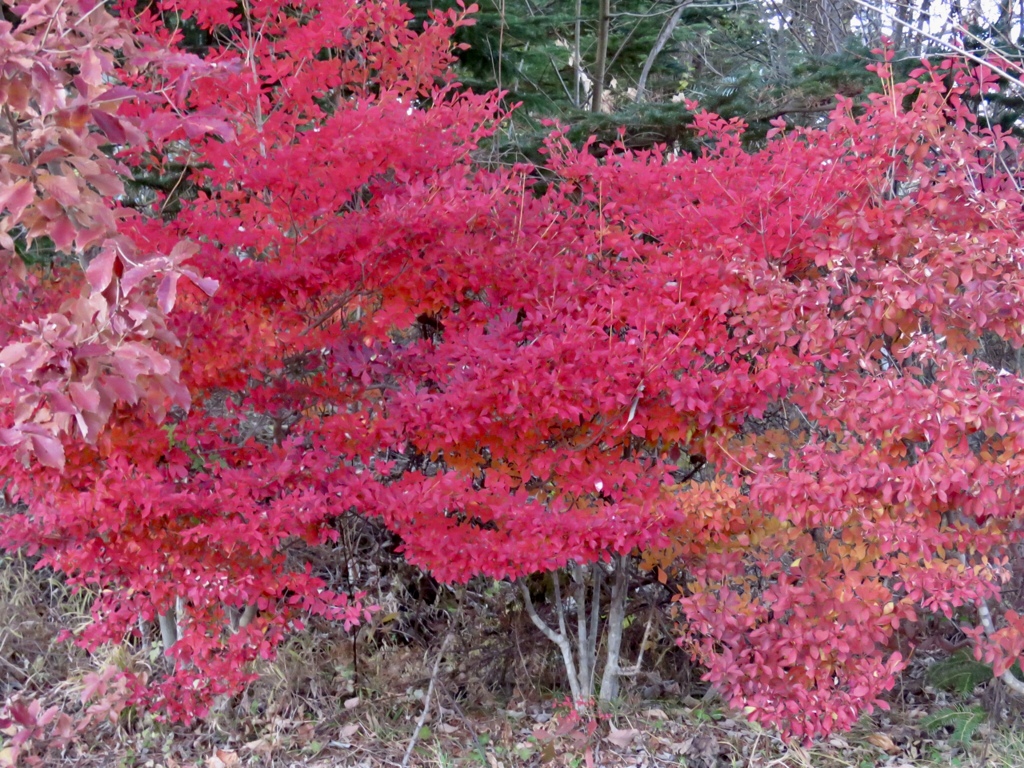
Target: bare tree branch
[659, 44]
[558, 639]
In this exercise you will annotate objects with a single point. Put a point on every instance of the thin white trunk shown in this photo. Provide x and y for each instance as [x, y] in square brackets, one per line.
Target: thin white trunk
[616, 618]
[426, 701]
[985, 616]
[597, 575]
[635, 669]
[579, 652]
[168, 630]
[240, 619]
[145, 627]
[582, 637]
[558, 638]
[179, 617]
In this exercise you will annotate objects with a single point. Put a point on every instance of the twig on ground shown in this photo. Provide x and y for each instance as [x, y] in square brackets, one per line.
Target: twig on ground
[426, 700]
[462, 715]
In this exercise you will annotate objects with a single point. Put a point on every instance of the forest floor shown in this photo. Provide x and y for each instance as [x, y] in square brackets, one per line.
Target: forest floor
[332, 700]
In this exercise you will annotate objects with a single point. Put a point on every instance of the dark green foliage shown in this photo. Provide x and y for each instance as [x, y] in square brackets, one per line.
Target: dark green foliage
[959, 673]
[39, 253]
[526, 46]
[960, 723]
[735, 60]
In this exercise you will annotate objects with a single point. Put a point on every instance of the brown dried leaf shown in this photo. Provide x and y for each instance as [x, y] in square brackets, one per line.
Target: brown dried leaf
[261, 746]
[681, 747]
[621, 738]
[883, 742]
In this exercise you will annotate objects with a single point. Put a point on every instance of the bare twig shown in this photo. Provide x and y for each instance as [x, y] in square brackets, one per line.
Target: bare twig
[426, 700]
[324, 317]
[635, 669]
[14, 133]
[453, 701]
[952, 47]
[616, 616]
[659, 44]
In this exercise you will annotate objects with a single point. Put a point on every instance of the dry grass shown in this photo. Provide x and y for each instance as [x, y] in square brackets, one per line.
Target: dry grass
[34, 607]
[332, 700]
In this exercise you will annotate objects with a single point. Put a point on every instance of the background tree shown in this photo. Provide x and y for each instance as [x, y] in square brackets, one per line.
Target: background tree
[752, 60]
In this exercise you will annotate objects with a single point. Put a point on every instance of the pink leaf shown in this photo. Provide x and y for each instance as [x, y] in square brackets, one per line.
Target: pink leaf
[110, 125]
[86, 398]
[63, 189]
[167, 292]
[16, 197]
[48, 450]
[182, 250]
[136, 275]
[206, 284]
[91, 67]
[101, 268]
[9, 437]
[120, 388]
[197, 126]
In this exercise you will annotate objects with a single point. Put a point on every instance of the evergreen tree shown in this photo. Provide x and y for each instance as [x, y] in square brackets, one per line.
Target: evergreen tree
[737, 59]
